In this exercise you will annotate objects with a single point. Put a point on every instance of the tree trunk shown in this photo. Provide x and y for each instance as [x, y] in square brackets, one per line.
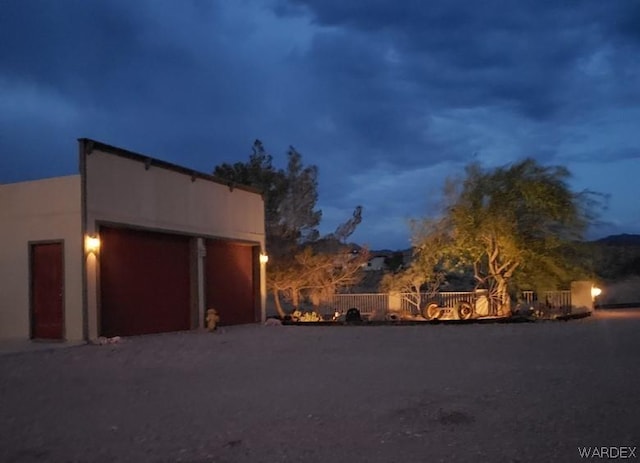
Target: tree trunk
[276, 299]
[295, 298]
[504, 300]
[315, 300]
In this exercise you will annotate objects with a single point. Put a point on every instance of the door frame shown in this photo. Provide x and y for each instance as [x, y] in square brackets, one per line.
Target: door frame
[32, 318]
[257, 296]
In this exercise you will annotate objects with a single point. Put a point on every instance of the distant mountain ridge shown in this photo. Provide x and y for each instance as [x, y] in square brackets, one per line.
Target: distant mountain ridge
[624, 239]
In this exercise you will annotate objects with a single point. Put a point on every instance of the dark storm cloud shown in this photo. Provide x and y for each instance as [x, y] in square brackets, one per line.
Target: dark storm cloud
[151, 79]
[112, 54]
[367, 105]
[388, 98]
[501, 80]
[520, 55]
[40, 39]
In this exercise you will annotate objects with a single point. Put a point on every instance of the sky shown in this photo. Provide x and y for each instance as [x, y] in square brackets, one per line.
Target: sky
[387, 98]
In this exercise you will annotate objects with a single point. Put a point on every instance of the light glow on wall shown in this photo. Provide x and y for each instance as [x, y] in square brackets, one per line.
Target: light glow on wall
[92, 244]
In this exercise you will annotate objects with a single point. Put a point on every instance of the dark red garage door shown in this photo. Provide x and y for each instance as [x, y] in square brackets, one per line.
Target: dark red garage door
[230, 282]
[144, 282]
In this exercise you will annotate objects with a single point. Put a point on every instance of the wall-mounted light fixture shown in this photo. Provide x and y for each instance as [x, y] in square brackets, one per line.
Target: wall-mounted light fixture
[264, 258]
[92, 244]
[595, 292]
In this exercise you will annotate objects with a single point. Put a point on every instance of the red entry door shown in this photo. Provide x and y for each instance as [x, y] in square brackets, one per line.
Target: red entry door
[47, 289]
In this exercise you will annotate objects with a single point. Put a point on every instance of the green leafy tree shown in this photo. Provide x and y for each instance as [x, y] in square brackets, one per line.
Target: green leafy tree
[425, 273]
[290, 195]
[515, 225]
[297, 219]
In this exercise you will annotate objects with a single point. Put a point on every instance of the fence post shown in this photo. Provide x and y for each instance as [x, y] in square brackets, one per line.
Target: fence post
[581, 298]
[395, 301]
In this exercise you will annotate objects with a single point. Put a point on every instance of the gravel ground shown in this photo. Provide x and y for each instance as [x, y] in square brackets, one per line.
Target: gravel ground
[529, 392]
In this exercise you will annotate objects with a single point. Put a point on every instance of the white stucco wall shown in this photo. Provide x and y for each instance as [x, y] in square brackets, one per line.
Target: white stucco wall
[375, 263]
[40, 210]
[122, 190]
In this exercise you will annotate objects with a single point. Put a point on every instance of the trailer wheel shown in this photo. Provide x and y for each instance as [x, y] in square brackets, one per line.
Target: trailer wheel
[465, 311]
[431, 311]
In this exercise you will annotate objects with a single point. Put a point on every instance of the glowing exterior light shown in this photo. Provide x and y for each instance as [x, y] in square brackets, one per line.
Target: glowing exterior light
[595, 292]
[264, 258]
[92, 244]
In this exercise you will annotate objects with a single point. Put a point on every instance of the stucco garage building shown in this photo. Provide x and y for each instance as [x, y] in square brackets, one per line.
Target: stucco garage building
[131, 245]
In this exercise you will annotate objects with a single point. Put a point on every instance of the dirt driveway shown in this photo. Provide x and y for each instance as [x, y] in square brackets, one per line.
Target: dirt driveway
[497, 393]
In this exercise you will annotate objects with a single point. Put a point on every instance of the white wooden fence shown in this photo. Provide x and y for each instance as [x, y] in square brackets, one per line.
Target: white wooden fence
[553, 299]
[373, 302]
[368, 303]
